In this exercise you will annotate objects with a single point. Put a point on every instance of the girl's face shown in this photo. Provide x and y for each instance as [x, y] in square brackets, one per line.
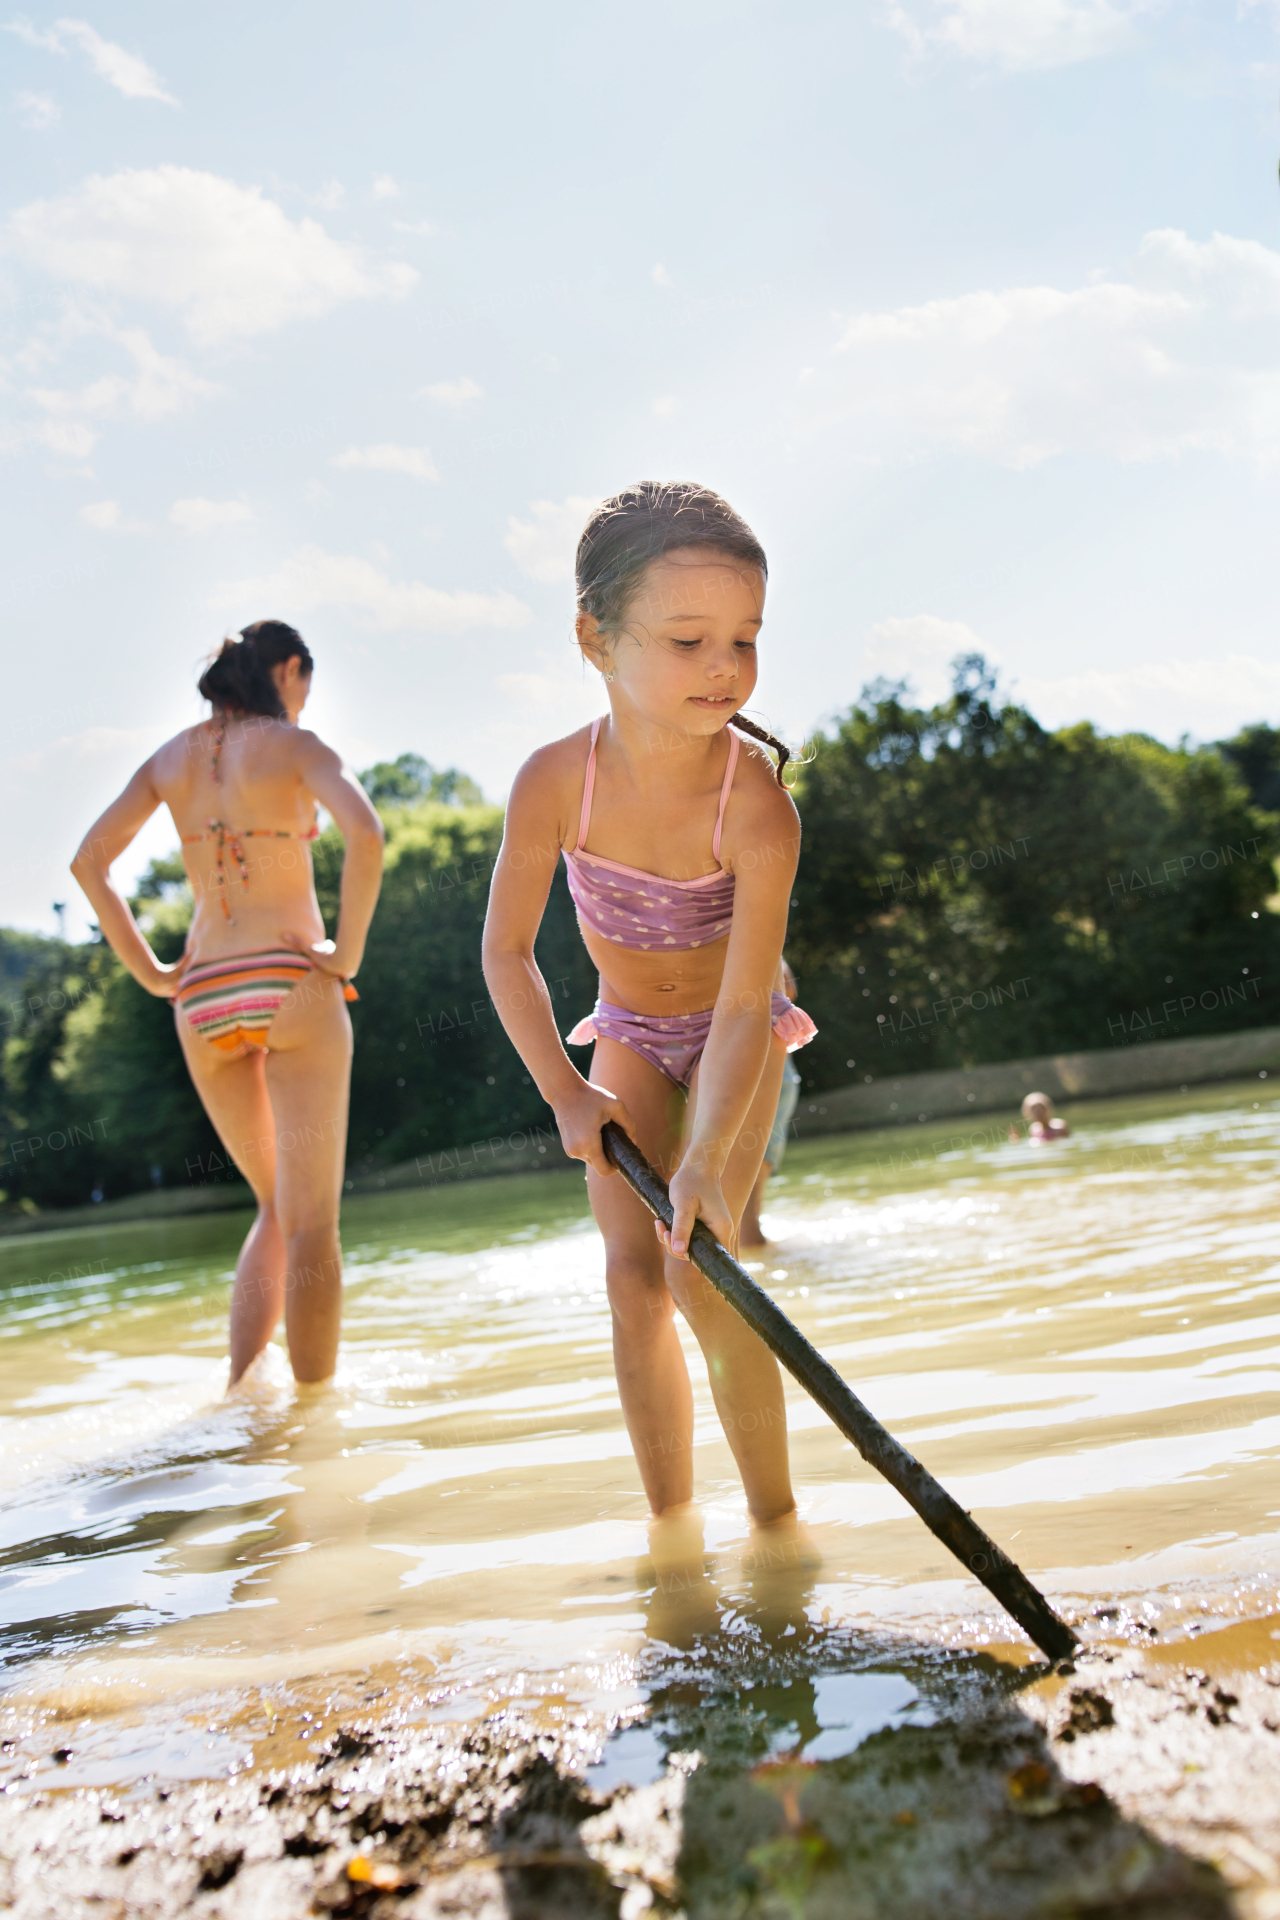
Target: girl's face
[686, 656]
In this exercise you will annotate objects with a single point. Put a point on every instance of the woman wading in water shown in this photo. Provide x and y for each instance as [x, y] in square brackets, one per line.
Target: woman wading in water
[259, 994]
[681, 845]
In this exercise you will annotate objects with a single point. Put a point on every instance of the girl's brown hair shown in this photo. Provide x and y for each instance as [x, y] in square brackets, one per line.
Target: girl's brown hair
[641, 524]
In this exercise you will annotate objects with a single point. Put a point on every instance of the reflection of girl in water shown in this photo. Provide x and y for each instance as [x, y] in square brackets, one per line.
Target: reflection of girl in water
[681, 844]
[259, 993]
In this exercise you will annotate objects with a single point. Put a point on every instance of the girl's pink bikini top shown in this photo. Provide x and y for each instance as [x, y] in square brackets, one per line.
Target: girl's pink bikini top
[642, 910]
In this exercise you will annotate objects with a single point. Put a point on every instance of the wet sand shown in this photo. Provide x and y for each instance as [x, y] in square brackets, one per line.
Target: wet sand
[1136, 1784]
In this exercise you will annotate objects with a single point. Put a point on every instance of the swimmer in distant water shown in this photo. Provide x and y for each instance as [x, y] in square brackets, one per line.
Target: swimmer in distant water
[259, 995]
[1042, 1123]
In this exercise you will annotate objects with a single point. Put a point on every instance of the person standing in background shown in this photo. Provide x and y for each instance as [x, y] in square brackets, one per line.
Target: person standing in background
[259, 994]
[751, 1233]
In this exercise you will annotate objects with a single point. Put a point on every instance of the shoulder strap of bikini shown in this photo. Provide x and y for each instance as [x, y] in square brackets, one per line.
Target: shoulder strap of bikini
[589, 784]
[219, 741]
[724, 793]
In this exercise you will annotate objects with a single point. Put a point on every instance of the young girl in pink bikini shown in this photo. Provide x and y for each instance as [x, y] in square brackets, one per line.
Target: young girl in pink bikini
[259, 995]
[681, 843]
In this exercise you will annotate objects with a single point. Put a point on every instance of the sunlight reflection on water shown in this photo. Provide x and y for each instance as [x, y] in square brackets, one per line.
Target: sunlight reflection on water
[1082, 1342]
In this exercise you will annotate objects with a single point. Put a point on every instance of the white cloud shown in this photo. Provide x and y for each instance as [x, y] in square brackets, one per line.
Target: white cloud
[22, 29]
[918, 648]
[202, 516]
[544, 547]
[227, 257]
[661, 278]
[37, 112]
[1222, 691]
[330, 196]
[68, 419]
[452, 393]
[69, 439]
[159, 385]
[1156, 696]
[125, 744]
[107, 516]
[665, 406]
[425, 229]
[568, 697]
[415, 461]
[1184, 354]
[1019, 34]
[126, 72]
[311, 578]
[385, 188]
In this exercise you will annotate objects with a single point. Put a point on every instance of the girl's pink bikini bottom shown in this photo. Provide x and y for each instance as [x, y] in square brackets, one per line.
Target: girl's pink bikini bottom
[673, 1043]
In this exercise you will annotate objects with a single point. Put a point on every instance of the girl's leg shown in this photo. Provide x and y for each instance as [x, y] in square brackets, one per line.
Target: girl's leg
[746, 1383]
[653, 1380]
[234, 1095]
[308, 1076]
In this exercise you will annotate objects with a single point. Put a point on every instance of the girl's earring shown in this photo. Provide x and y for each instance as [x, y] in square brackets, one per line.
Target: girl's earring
[609, 676]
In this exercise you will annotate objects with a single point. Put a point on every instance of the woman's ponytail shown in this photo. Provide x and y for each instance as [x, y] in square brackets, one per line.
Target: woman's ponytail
[238, 678]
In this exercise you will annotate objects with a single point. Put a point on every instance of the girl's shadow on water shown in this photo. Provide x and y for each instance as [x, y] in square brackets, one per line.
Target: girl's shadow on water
[843, 1777]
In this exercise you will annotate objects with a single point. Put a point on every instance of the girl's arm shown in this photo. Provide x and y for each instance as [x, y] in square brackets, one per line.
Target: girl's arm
[105, 841]
[357, 821]
[517, 900]
[764, 848]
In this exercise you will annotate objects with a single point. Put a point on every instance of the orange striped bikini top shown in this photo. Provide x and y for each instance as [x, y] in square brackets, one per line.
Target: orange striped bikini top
[227, 839]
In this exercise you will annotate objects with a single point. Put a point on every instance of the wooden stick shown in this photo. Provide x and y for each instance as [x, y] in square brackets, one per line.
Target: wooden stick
[940, 1513]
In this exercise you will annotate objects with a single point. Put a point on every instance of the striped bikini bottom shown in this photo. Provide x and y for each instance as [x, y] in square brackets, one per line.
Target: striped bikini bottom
[231, 1001]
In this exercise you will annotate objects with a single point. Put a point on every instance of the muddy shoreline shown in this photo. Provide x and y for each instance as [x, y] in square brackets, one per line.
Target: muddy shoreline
[1142, 1783]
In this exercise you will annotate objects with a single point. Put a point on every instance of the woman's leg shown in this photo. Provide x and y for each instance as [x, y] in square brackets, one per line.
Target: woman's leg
[308, 1078]
[233, 1093]
[653, 1380]
[746, 1383]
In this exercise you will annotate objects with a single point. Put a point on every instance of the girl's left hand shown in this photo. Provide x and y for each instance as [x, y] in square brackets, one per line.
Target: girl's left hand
[695, 1195]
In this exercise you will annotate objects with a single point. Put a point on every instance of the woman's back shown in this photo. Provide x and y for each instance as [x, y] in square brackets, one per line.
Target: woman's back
[238, 792]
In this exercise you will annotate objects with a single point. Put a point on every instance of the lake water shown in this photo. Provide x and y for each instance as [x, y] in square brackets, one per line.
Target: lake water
[1082, 1342]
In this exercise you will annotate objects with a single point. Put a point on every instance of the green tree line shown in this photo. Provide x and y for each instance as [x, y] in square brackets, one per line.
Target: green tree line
[973, 887]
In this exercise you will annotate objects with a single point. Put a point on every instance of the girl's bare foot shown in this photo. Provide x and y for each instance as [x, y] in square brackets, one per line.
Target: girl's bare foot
[784, 1542]
[684, 1603]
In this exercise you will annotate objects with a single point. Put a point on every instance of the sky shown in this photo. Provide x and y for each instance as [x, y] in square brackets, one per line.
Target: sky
[347, 317]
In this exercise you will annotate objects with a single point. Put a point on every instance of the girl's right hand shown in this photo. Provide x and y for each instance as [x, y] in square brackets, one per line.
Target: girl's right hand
[580, 1118]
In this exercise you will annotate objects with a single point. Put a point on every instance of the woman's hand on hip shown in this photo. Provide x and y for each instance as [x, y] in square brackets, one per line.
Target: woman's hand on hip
[164, 980]
[323, 955]
[695, 1195]
[580, 1117]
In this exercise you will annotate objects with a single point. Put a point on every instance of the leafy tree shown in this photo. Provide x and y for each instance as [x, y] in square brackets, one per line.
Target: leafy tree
[975, 888]
[1254, 752]
[409, 779]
